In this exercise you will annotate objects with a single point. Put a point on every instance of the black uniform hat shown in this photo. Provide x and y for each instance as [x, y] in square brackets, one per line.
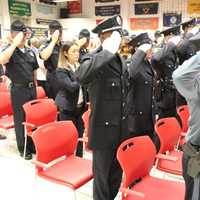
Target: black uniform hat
[84, 33]
[189, 23]
[140, 39]
[18, 26]
[172, 31]
[195, 40]
[55, 25]
[110, 24]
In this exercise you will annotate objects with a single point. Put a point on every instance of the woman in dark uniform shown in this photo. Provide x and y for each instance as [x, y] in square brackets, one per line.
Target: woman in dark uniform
[71, 96]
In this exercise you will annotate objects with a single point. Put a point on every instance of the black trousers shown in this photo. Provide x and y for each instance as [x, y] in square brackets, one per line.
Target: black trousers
[76, 117]
[107, 174]
[43, 84]
[52, 86]
[19, 96]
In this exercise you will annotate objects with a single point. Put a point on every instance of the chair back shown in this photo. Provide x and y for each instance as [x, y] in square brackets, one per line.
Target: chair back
[40, 92]
[4, 85]
[184, 114]
[5, 104]
[54, 140]
[39, 112]
[169, 131]
[136, 157]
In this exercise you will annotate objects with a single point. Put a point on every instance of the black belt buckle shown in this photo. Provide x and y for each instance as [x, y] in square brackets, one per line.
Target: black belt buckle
[31, 84]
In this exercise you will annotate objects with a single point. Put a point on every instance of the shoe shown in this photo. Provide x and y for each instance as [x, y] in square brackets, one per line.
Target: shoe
[2, 137]
[28, 156]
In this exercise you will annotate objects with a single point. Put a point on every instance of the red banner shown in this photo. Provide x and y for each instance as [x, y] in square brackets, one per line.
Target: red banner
[74, 7]
[151, 23]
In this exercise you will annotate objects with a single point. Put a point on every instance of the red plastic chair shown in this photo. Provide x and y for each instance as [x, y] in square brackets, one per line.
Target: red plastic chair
[40, 92]
[169, 159]
[136, 157]
[4, 85]
[6, 111]
[37, 113]
[58, 140]
[184, 114]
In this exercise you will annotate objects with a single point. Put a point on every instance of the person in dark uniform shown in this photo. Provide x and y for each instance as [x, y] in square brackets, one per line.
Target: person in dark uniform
[21, 65]
[164, 62]
[49, 53]
[140, 97]
[84, 33]
[185, 50]
[71, 97]
[104, 72]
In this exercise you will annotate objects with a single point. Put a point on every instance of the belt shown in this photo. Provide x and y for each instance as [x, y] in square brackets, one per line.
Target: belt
[29, 85]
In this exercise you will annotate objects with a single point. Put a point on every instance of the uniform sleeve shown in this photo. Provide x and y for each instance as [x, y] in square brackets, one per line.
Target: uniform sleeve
[187, 78]
[135, 63]
[36, 66]
[91, 65]
[66, 82]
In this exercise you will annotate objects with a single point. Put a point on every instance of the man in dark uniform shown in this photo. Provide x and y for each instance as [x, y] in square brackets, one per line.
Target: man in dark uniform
[185, 50]
[140, 98]
[21, 65]
[84, 33]
[104, 72]
[165, 61]
[49, 53]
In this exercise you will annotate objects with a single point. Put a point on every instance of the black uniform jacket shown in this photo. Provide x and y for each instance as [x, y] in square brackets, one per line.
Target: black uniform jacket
[68, 94]
[139, 101]
[105, 76]
[165, 62]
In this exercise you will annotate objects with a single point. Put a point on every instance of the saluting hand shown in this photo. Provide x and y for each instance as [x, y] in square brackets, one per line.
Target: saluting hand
[145, 47]
[112, 43]
[81, 42]
[55, 36]
[175, 39]
[18, 39]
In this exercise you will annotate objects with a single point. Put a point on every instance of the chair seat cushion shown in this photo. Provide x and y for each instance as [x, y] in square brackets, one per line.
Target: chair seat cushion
[7, 122]
[73, 172]
[174, 167]
[155, 188]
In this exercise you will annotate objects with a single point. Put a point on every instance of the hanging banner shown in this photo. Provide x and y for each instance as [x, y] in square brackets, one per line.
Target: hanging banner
[146, 8]
[107, 10]
[74, 7]
[19, 8]
[171, 19]
[194, 7]
[150, 23]
[105, 1]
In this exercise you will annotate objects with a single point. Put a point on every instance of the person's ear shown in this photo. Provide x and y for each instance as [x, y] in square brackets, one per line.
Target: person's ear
[65, 53]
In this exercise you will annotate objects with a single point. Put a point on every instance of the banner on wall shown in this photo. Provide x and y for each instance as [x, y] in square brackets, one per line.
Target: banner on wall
[171, 19]
[146, 8]
[150, 23]
[107, 10]
[19, 8]
[194, 7]
[74, 7]
[105, 1]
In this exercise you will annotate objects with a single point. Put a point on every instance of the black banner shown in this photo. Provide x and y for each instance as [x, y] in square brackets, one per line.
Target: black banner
[107, 10]
[146, 8]
[105, 1]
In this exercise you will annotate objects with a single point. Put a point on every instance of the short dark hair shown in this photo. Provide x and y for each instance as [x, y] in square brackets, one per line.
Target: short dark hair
[84, 33]
[55, 25]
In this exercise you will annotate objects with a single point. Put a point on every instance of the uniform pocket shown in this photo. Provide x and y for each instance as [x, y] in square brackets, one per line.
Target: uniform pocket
[112, 90]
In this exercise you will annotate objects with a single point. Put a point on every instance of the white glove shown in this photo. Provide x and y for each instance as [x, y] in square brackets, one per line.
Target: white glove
[55, 36]
[175, 39]
[18, 39]
[112, 43]
[145, 47]
[194, 30]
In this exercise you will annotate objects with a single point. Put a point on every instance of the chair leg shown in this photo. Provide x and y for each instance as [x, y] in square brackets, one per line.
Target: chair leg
[25, 144]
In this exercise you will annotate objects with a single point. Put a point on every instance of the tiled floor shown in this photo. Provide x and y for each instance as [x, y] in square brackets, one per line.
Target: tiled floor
[18, 181]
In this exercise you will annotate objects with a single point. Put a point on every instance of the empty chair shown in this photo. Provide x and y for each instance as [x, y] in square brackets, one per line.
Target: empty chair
[136, 157]
[53, 141]
[169, 159]
[38, 112]
[6, 111]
